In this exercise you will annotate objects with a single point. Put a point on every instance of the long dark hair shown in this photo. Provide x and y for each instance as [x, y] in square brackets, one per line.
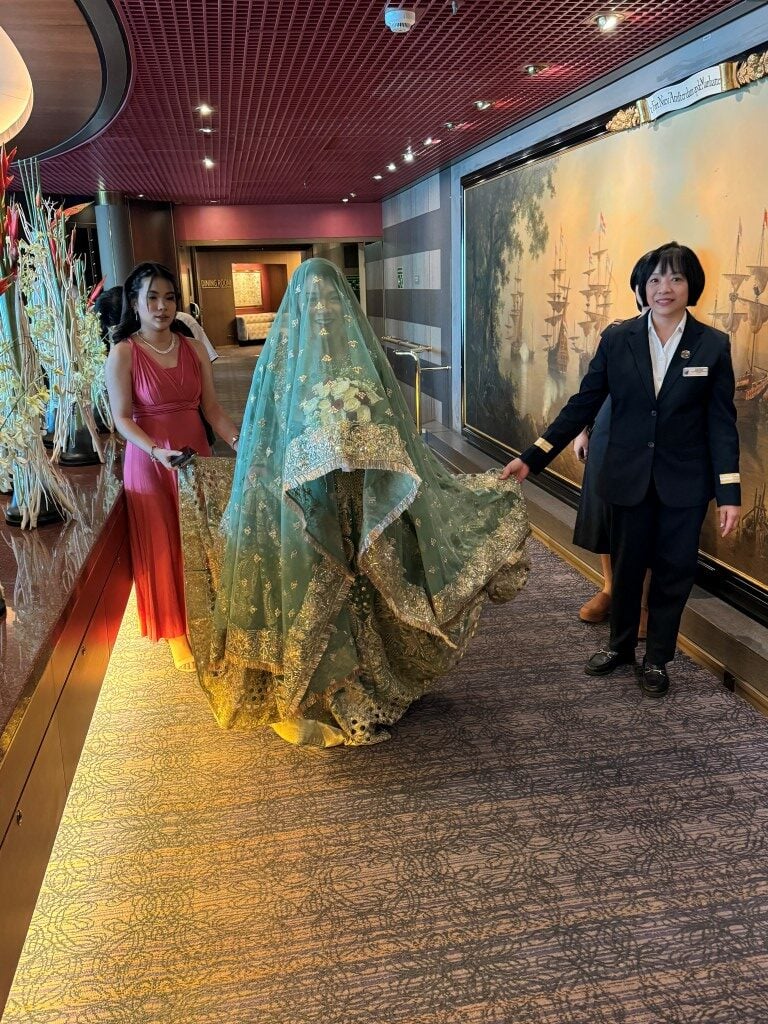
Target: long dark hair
[109, 306]
[129, 319]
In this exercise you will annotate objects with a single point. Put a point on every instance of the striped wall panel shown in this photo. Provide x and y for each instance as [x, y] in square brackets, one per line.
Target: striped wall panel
[408, 286]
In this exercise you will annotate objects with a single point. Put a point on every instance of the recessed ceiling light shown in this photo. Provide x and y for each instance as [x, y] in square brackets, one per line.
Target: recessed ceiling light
[483, 104]
[408, 156]
[207, 162]
[450, 125]
[534, 69]
[352, 195]
[207, 131]
[606, 21]
[428, 141]
[140, 195]
[345, 200]
[377, 177]
[391, 167]
[205, 110]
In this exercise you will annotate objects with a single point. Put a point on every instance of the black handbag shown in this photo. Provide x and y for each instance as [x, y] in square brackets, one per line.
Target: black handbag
[209, 431]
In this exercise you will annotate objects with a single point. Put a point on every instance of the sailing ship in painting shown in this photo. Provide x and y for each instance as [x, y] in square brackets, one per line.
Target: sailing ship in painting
[754, 522]
[556, 335]
[752, 379]
[513, 328]
[598, 299]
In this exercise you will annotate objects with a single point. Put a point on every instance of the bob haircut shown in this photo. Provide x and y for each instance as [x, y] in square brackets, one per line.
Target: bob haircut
[680, 260]
[637, 275]
[129, 319]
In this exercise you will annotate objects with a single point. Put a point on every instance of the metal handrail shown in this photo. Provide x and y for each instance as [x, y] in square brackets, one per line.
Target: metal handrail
[413, 350]
[415, 346]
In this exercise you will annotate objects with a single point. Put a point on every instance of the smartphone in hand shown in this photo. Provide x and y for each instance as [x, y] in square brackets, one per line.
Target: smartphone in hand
[185, 456]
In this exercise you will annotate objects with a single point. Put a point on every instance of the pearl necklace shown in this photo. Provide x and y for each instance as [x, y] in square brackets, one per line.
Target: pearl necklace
[160, 351]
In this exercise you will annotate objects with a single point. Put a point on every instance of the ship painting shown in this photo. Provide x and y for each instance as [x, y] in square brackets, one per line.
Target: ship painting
[513, 328]
[752, 381]
[598, 299]
[556, 335]
[754, 522]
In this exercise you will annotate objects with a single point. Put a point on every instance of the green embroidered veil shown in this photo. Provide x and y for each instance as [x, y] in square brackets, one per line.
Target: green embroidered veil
[346, 569]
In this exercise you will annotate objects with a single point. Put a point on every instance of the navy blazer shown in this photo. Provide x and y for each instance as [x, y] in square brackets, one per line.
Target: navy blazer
[685, 439]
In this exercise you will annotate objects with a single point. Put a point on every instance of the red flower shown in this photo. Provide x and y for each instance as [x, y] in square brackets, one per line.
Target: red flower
[70, 211]
[96, 292]
[6, 282]
[12, 229]
[6, 159]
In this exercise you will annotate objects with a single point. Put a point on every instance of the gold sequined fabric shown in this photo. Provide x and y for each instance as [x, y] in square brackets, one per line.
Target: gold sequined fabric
[337, 570]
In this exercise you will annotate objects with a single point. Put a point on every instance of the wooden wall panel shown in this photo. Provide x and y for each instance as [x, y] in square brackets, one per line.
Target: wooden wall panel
[152, 234]
[54, 39]
[26, 848]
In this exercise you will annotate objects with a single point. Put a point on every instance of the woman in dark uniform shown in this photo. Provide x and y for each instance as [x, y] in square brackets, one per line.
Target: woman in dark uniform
[593, 517]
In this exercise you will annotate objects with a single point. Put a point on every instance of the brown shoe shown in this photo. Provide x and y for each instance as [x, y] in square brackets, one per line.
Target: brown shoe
[642, 630]
[597, 609]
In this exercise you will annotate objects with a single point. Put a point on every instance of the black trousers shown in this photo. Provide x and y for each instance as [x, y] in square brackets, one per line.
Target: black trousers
[666, 540]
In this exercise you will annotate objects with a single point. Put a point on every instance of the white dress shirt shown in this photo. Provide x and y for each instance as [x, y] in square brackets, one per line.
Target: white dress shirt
[198, 333]
[661, 355]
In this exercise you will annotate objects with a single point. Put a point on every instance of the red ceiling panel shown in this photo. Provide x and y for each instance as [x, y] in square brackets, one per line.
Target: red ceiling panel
[313, 97]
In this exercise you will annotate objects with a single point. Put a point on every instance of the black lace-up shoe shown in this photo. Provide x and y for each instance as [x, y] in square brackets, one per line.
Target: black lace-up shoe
[654, 681]
[606, 661]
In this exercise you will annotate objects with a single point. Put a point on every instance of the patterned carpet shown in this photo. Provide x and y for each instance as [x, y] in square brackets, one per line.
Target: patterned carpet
[532, 847]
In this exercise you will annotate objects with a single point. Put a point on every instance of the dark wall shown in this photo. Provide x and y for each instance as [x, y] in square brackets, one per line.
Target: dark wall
[152, 233]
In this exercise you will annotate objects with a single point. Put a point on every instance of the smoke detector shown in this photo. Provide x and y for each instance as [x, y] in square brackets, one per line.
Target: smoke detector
[399, 19]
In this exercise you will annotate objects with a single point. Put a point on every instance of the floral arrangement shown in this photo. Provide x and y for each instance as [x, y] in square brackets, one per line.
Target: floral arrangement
[37, 485]
[341, 398]
[64, 327]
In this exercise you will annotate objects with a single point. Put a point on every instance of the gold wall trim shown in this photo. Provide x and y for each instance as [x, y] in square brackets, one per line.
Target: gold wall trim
[733, 74]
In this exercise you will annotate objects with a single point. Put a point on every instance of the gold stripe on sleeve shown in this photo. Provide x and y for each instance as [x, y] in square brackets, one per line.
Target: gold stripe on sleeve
[730, 478]
[547, 447]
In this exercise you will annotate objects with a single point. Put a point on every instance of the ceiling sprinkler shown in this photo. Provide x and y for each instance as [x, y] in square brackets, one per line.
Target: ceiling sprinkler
[399, 19]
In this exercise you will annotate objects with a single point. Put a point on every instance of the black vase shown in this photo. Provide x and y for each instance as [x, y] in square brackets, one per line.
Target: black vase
[49, 513]
[80, 451]
[101, 426]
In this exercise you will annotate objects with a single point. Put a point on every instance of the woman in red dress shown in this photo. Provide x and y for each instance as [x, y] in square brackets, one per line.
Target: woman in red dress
[158, 381]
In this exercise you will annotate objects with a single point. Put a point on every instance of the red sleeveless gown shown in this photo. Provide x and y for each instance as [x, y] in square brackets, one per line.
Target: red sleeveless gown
[165, 406]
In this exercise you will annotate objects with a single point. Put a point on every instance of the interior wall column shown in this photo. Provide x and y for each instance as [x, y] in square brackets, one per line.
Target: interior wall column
[113, 230]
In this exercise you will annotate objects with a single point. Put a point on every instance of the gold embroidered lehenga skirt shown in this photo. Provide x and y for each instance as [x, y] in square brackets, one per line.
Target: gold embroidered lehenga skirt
[364, 642]
[338, 569]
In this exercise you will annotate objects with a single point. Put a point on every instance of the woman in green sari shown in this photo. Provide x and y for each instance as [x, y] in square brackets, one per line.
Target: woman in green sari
[347, 569]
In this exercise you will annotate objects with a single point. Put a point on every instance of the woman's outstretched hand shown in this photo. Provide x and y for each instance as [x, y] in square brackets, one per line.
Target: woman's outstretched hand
[516, 468]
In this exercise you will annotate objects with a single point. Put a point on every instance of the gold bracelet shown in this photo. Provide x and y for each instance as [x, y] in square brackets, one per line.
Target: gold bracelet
[234, 440]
